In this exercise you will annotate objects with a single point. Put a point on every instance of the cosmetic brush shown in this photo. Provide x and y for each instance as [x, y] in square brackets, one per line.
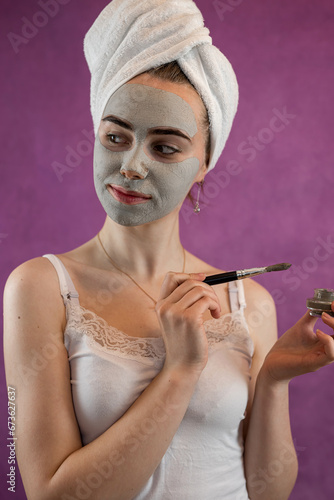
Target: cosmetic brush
[215, 279]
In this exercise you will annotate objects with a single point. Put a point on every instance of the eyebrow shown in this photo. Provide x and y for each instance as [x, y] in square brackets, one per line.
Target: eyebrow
[155, 131]
[169, 131]
[117, 121]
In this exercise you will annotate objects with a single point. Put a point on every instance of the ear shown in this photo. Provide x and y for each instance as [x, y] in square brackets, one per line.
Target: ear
[202, 173]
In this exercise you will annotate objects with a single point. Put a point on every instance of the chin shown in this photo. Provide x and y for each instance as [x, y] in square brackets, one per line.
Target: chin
[128, 221]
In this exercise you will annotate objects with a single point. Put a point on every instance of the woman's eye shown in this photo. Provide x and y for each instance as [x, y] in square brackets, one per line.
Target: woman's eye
[116, 139]
[166, 150]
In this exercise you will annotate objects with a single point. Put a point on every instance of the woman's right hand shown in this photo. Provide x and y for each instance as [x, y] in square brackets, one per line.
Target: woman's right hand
[183, 300]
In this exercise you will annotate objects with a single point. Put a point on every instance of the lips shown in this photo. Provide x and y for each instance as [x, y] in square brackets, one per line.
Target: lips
[127, 197]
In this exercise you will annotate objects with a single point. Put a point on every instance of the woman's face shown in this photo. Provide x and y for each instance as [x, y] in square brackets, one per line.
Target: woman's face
[149, 150]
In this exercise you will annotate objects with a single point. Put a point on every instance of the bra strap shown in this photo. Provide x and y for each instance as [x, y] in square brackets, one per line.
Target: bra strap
[236, 295]
[67, 288]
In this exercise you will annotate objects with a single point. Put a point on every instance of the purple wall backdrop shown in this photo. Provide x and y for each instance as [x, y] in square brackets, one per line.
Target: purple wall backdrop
[270, 199]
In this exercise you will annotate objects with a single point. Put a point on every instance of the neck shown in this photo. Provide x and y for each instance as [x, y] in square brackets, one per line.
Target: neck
[146, 252]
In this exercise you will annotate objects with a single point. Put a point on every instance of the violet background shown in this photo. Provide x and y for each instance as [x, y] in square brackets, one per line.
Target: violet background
[275, 210]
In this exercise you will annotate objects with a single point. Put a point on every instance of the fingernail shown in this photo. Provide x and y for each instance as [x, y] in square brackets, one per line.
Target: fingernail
[325, 315]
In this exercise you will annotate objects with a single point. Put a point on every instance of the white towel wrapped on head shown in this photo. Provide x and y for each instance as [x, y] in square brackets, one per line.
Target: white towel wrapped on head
[130, 37]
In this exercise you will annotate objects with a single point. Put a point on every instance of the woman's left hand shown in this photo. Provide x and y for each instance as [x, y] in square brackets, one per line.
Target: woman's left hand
[300, 350]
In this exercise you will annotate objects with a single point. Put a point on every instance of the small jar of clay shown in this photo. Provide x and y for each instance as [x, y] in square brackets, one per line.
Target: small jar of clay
[321, 302]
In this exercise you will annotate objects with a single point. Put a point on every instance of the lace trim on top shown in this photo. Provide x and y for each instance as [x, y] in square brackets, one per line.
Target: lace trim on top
[230, 327]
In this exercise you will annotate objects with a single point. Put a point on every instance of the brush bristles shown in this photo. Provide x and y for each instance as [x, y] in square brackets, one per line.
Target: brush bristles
[278, 267]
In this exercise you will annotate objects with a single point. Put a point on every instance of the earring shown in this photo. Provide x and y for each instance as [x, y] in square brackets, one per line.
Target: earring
[197, 207]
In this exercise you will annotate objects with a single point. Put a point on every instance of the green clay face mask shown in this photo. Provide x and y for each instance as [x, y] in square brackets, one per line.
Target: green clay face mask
[162, 167]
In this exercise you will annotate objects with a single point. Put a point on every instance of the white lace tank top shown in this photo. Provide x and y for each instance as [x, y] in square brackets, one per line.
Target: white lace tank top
[109, 371]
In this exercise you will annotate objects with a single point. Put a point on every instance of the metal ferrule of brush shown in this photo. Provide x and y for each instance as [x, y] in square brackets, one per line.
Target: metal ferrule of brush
[254, 271]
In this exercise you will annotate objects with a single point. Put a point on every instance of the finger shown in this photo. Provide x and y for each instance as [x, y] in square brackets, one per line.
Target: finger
[186, 287]
[197, 293]
[332, 306]
[202, 305]
[327, 319]
[308, 320]
[328, 343]
[173, 280]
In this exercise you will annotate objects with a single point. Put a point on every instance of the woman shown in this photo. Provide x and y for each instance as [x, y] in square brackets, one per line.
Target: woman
[141, 386]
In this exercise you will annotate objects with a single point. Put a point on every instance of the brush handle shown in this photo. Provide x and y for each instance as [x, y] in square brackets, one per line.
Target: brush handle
[216, 279]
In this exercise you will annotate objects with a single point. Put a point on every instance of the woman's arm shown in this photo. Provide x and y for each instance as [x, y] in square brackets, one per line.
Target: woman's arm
[270, 459]
[53, 463]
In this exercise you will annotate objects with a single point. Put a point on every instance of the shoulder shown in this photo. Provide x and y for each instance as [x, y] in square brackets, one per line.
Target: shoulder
[33, 286]
[255, 294]
[260, 314]
[30, 275]
[260, 304]
[257, 297]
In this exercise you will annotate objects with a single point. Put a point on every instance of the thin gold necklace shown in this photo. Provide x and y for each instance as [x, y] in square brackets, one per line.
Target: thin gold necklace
[128, 275]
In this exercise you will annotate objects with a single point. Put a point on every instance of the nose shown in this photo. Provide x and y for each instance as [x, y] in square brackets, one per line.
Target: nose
[132, 174]
[134, 165]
